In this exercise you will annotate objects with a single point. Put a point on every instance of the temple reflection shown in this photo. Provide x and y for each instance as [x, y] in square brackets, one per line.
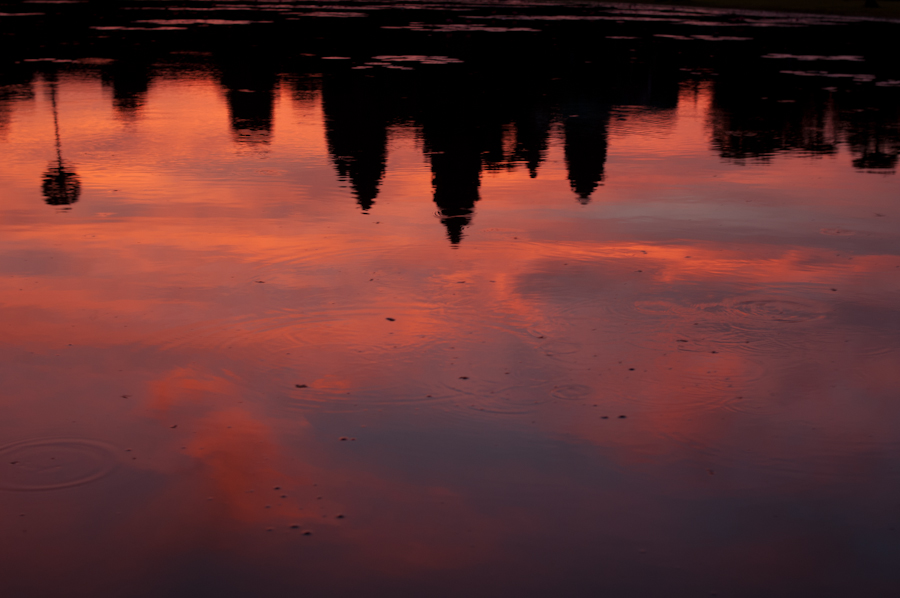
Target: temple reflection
[873, 134]
[356, 123]
[585, 146]
[129, 81]
[479, 111]
[249, 84]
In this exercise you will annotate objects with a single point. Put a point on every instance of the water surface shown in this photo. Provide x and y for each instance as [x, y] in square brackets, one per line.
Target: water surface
[448, 300]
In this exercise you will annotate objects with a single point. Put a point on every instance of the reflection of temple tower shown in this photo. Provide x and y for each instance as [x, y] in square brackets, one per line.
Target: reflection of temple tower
[61, 186]
[748, 123]
[456, 177]
[584, 127]
[249, 88]
[453, 132]
[874, 137]
[532, 132]
[356, 129]
[129, 82]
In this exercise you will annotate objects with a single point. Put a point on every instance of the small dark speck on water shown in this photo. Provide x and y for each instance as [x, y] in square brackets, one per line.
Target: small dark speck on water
[277, 488]
[339, 517]
[295, 527]
[259, 281]
[301, 385]
[713, 351]
[173, 427]
[307, 533]
[390, 319]
[604, 417]
[630, 369]
[342, 438]
[681, 340]
[463, 377]
[622, 416]
[835, 290]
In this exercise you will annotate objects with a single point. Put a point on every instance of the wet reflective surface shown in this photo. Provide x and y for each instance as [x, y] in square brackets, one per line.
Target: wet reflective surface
[448, 300]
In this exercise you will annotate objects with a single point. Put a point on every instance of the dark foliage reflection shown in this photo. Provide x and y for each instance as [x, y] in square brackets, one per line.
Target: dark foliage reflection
[483, 100]
[61, 186]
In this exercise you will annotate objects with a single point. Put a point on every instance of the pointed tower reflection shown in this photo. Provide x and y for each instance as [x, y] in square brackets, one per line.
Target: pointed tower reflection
[456, 178]
[130, 81]
[356, 122]
[532, 134]
[61, 186]
[584, 127]
[453, 142]
[250, 91]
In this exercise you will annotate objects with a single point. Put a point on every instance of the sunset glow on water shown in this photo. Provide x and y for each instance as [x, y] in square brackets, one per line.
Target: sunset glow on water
[422, 319]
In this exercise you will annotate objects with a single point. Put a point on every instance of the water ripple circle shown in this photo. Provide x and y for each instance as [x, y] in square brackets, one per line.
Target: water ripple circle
[54, 463]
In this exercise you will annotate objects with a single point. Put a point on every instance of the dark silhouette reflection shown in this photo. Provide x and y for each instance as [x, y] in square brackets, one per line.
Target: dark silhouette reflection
[484, 103]
[13, 90]
[61, 186]
[585, 146]
[249, 83]
[356, 122]
[459, 136]
[129, 81]
[532, 132]
[873, 135]
[755, 123]
[456, 178]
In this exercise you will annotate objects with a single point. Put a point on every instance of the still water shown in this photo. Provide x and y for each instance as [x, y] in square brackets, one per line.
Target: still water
[448, 300]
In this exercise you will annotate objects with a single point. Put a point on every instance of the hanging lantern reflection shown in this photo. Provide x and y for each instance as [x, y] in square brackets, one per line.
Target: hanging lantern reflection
[61, 186]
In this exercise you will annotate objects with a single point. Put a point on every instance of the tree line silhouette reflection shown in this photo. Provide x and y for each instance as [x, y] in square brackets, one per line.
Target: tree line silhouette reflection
[495, 105]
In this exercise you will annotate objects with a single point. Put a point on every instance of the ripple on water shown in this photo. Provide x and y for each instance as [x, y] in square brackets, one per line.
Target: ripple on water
[53, 464]
[694, 383]
[496, 397]
[762, 326]
[561, 350]
[780, 310]
[660, 308]
[571, 392]
[324, 399]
